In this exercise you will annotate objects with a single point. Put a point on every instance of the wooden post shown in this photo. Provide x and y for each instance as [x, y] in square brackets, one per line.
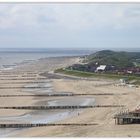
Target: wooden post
[117, 120]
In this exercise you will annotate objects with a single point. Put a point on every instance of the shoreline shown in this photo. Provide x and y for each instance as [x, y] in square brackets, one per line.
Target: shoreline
[15, 65]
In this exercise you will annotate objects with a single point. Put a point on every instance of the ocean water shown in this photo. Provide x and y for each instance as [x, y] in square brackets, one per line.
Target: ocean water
[13, 57]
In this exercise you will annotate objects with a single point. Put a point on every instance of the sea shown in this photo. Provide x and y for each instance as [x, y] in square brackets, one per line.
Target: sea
[10, 58]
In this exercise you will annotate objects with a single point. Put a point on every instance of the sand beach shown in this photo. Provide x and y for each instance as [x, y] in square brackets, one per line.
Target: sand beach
[27, 74]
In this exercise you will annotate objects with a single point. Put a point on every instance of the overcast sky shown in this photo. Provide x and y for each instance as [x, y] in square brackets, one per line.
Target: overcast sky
[69, 25]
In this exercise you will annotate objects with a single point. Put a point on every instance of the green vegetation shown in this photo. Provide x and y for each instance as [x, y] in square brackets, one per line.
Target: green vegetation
[118, 59]
[118, 65]
[74, 73]
[115, 62]
[98, 75]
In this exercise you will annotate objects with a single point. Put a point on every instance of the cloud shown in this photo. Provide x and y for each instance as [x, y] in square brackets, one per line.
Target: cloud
[19, 15]
[69, 16]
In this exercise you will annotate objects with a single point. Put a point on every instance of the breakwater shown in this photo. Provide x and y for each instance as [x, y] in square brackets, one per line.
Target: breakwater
[25, 82]
[58, 107]
[22, 78]
[57, 95]
[44, 124]
[23, 87]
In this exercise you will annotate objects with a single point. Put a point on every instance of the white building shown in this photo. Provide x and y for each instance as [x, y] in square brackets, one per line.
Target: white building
[101, 68]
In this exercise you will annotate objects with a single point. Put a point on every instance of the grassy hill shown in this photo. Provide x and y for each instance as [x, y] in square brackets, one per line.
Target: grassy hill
[118, 59]
[118, 64]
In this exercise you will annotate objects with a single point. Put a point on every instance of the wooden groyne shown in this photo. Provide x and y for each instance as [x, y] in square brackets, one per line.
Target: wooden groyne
[44, 124]
[8, 76]
[58, 107]
[21, 72]
[22, 78]
[53, 95]
[25, 82]
[22, 87]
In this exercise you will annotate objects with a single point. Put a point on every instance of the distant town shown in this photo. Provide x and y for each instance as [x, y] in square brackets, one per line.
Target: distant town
[107, 61]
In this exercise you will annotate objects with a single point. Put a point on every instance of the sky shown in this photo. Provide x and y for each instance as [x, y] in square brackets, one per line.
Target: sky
[60, 25]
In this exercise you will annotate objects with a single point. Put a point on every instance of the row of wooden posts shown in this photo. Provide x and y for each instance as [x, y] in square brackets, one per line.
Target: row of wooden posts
[22, 87]
[54, 95]
[57, 107]
[25, 82]
[23, 79]
[44, 124]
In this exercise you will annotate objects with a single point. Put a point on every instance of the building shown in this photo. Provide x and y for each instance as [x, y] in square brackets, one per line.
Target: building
[101, 68]
[132, 117]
